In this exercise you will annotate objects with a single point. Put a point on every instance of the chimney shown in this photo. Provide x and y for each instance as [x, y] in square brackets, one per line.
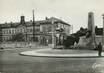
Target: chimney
[22, 21]
[46, 18]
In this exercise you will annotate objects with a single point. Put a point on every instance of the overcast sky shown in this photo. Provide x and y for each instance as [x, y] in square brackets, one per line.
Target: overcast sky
[75, 12]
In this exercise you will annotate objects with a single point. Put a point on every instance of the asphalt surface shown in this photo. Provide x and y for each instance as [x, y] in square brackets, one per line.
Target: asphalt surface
[12, 62]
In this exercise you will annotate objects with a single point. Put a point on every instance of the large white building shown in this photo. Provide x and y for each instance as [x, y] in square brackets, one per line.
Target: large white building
[43, 31]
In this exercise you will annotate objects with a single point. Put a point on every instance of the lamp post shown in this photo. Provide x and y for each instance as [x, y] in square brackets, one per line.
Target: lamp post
[53, 35]
[103, 33]
[33, 23]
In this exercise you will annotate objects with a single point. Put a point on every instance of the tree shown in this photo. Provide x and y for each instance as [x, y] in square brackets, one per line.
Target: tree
[77, 39]
[19, 37]
[69, 41]
[81, 32]
[98, 31]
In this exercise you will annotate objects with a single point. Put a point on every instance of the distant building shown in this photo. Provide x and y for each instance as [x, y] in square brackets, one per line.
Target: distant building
[33, 31]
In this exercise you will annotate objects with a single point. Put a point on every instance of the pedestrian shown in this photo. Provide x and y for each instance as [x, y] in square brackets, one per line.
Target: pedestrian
[30, 44]
[99, 49]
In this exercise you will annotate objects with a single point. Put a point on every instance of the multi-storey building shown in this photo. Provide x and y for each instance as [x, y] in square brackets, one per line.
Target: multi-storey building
[44, 31]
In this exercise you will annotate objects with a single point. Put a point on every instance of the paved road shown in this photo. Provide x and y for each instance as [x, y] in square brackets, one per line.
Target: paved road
[12, 62]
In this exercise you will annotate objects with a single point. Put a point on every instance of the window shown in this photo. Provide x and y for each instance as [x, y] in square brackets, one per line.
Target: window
[9, 31]
[31, 30]
[4, 32]
[13, 31]
[20, 30]
[49, 28]
[44, 28]
[36, 39]
[27, 30]
[50, 40]
[37, 29]
[4, 38]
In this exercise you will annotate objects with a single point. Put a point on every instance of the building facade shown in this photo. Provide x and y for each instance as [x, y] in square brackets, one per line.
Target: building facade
[43, 32]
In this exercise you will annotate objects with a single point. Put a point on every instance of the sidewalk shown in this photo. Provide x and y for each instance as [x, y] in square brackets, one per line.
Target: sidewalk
[61, 53]
[19, 48]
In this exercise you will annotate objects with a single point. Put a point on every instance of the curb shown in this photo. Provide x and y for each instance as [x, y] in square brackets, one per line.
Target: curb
[35, 53]
[62, 56]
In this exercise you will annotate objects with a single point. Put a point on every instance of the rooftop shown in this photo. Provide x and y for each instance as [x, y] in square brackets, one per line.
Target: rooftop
[29, 23]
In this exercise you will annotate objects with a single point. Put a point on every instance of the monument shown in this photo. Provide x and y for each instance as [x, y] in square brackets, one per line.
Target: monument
[91, 31]
[88, 41]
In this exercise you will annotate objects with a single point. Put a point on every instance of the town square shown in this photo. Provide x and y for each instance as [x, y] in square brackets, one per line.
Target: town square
[51, 36]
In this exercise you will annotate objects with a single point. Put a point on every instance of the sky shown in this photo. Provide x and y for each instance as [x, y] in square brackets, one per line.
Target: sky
[74, 12]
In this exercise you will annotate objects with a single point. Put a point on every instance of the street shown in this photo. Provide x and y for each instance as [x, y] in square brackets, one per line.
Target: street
[12, 62]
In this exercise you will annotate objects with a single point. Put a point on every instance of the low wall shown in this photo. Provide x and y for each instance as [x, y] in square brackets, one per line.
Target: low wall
[23, 45]
[83, 41]
[18, 44]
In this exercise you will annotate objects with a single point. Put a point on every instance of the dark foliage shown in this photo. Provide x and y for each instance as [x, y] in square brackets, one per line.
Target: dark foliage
[70, 40]
[98, 31]
[81, 32]
[19, 37]
[77, 39]
[85, 32]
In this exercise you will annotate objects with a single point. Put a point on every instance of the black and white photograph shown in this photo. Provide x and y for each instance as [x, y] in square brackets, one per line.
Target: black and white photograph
[51, 36]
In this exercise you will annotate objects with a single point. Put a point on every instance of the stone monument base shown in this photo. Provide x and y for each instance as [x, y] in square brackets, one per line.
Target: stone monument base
[84, 42]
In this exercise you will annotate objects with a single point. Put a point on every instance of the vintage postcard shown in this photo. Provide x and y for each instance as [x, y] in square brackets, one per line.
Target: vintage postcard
[51, 36]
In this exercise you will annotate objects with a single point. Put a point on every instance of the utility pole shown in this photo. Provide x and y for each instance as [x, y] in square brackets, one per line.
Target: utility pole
[103, 33]
[33, 26]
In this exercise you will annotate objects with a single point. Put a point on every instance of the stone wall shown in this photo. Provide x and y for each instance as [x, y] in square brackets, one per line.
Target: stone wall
[83, 41]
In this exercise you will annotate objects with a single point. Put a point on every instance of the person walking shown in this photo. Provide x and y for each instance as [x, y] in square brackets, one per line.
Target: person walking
[99, 49]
